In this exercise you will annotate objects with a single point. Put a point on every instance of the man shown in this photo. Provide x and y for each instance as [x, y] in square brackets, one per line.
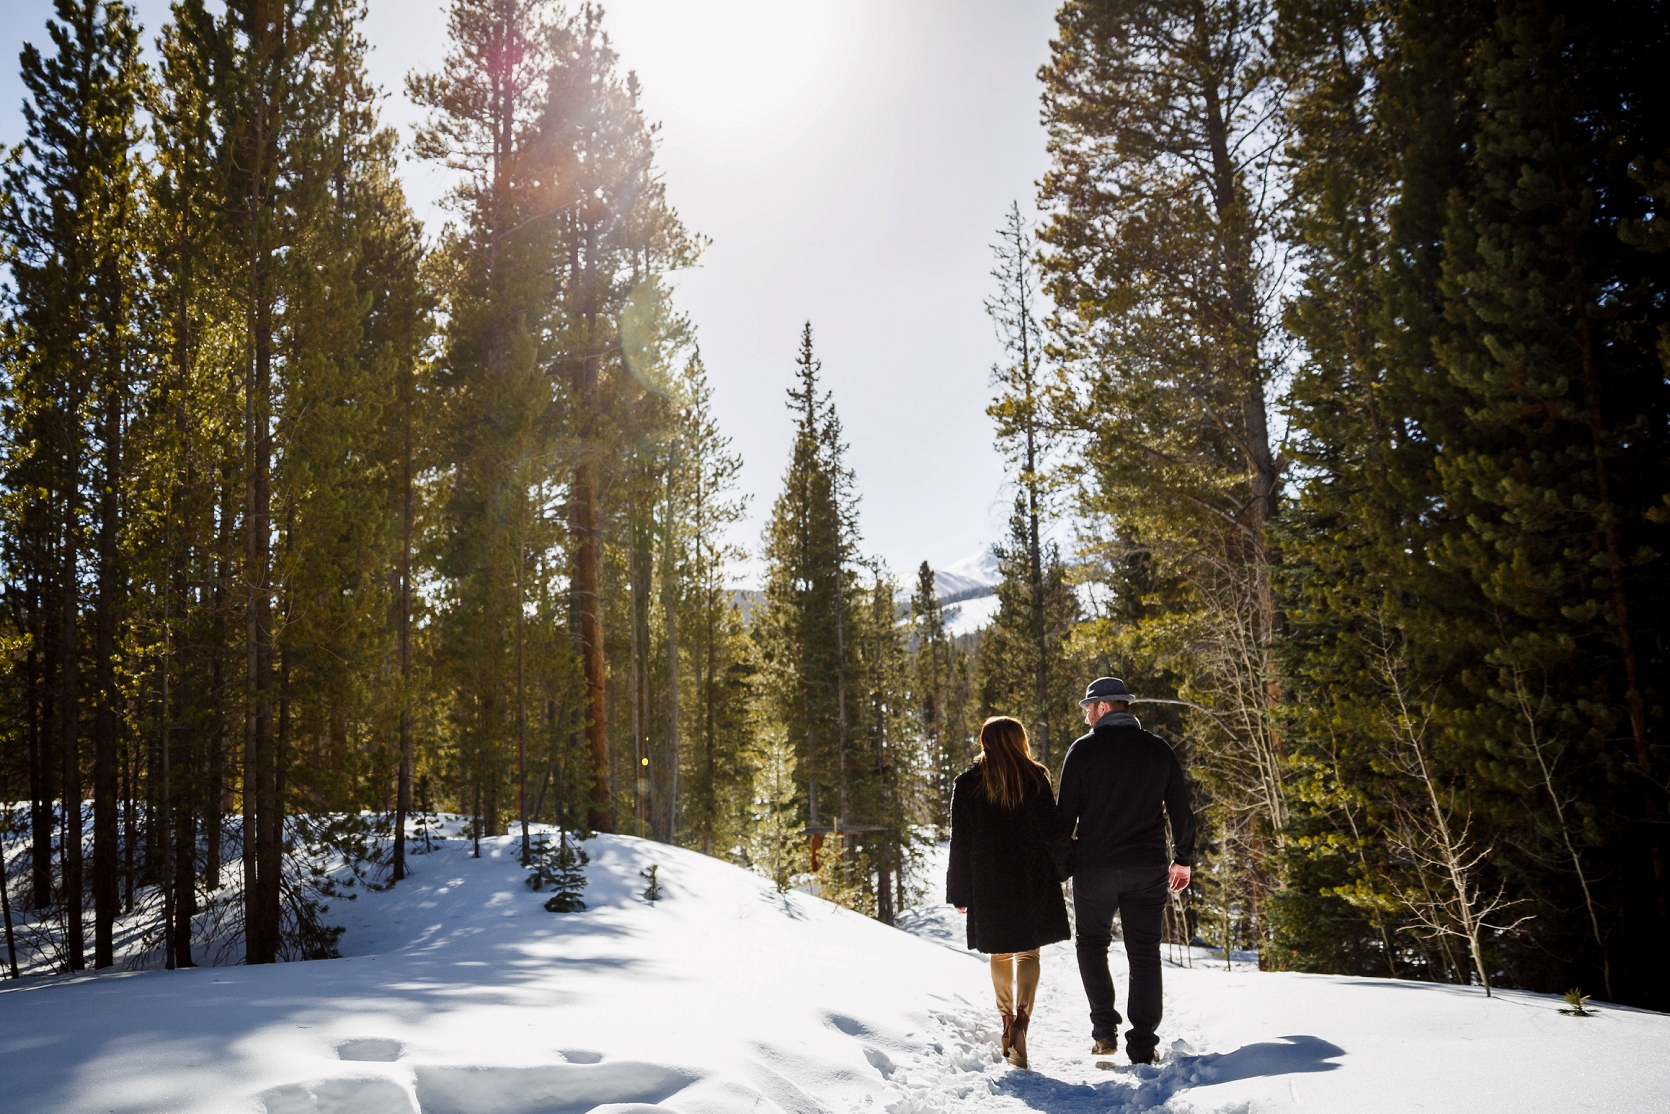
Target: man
[1118, 785]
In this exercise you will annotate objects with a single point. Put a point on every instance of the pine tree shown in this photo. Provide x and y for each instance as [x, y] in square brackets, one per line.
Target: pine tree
[218, 407]
[618, 233]
[812, 602]
[69, 224]
[897, 806]
[651, 485]
[722, 669]
[776, 841]
[1009, 647]
[493, 402]
[1555, 343]
[940, 676]
[567, 871]
[652, 883]
[1365, 85]
[1165, 266]
[563, 221]
[1024, 436]
[1466, 395]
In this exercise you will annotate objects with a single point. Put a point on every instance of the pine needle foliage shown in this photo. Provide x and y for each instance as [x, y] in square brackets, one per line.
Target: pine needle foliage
[559, 866]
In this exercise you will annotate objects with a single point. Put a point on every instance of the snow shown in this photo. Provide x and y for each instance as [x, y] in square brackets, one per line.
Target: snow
[970, 615]
[979, 567]
[973, 576]
[459, 993]
[949, 584]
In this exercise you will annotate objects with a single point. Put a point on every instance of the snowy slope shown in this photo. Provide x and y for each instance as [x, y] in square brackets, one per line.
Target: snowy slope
[461, 994]
[965, 578]
[970, 615]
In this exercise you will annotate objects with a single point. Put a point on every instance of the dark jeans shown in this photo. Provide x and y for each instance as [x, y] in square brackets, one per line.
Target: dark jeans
[1138, 894]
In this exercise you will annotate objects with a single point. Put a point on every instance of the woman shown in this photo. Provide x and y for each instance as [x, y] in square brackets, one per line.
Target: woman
[1008, 859]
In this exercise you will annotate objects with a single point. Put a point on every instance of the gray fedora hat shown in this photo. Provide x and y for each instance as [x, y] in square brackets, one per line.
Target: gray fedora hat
[1110, 689]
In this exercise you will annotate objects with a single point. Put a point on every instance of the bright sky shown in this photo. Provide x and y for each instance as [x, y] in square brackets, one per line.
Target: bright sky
[850, 161]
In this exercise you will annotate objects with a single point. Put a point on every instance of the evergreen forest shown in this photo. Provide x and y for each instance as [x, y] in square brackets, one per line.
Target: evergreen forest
[1334, 400]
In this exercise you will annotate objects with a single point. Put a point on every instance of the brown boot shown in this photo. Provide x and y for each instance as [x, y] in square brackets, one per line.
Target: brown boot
[1017, 1038]
[1008, 1033]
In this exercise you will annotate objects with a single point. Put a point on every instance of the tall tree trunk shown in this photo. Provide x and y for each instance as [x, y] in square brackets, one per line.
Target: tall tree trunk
[403, 791]
[214, 806]
[130, 822]
[638, 706]
[588, 587]
[1034, 543]
[707, 686]
[521, 697]
[6, 911]
[40, 755]
[183, 807]
[69, 703]
[105, 890]
[670, 605]
[268, 51]
[884, 881]
[152, 867]
[841, 690]
[1040, 640]
[261, 834]
[162, 828]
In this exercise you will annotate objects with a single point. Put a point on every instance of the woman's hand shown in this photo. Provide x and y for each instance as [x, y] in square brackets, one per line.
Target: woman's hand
[962, 908]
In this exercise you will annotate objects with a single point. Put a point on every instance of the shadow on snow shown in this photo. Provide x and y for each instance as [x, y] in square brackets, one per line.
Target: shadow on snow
[1145, 1087]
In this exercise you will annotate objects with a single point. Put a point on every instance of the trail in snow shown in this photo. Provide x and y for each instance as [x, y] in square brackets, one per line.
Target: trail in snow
[459, 994]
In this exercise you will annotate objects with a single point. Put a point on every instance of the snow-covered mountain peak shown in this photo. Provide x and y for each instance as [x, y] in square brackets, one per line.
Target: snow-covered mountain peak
[969, 578]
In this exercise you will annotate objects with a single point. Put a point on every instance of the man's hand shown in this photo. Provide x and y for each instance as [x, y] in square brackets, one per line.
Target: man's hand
[962, 908]
[1179, 878]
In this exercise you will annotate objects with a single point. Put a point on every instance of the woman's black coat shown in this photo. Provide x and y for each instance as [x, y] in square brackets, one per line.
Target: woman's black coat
[1007, 866]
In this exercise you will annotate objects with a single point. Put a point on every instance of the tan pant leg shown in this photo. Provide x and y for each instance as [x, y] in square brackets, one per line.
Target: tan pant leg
[1026, 979]
[1003, 981]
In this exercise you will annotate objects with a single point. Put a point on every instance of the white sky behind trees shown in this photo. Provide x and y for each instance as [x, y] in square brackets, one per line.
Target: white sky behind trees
[850, 161]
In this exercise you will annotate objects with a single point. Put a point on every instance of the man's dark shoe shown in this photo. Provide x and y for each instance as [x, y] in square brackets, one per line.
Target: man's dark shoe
[1152, 1058]
[1105, 1046]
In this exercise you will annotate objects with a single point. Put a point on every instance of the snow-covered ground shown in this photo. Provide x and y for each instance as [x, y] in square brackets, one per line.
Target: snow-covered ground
[461, 994]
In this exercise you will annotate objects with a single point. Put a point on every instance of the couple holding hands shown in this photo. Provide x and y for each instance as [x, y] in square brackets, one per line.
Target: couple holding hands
[1014, 841]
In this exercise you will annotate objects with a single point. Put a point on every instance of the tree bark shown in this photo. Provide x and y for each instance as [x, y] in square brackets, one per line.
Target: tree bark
[69, 709]
[588, 588]
[261, 884]
[40, 755]
[403, 790]
[217, 803]
[183, 808]
[105, 891]
[670, 606]
[521, 696]
[637, 582]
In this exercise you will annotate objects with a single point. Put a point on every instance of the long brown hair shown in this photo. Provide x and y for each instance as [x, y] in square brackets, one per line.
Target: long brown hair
[1008, 769]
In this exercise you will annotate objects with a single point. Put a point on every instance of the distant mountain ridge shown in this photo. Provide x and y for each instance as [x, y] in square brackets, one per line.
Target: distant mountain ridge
[968, 579]
[971, 578]
[951, 588]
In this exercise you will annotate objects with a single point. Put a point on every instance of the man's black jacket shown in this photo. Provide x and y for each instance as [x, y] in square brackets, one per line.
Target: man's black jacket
[1118, 784]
